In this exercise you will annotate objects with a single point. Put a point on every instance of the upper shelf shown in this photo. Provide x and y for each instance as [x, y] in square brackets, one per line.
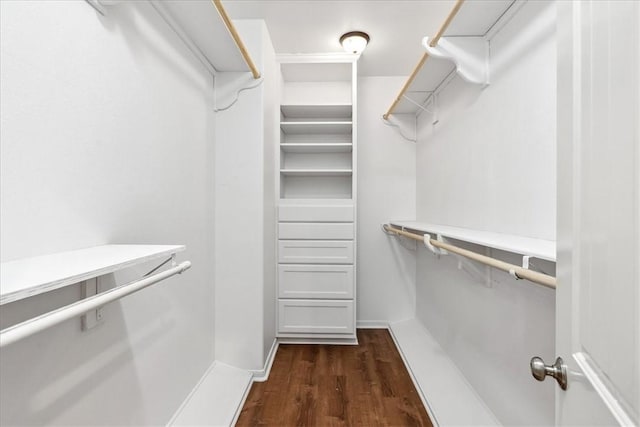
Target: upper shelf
[203, 25]
[32, 276]
[538, 248]
[460, 46]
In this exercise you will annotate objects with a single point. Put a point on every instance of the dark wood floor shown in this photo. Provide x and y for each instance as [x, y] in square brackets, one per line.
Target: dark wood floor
[335, 385]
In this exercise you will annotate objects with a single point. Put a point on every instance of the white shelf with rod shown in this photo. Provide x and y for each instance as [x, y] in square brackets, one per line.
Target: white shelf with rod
[537, 248]
[528, 247]
[33, 276]
[205, 28]
[460, 46]
[27, 277]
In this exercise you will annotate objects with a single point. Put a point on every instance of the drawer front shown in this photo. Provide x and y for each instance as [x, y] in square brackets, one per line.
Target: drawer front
[317, 213]
[315, 230]
[315, 317]
[315, 252]
[315, 281]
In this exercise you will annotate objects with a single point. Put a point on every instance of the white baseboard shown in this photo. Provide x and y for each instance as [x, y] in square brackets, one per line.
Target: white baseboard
[217, 399]
[372, 324]
[431, 370]
[263, 374]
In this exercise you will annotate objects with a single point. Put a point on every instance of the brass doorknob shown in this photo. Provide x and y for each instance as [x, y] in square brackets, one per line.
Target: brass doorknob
[558, 371]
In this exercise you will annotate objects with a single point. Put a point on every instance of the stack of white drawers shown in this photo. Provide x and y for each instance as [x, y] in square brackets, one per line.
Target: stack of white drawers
[316, 274]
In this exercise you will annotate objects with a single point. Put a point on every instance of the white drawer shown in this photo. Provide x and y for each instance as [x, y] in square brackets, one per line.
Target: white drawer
[315, 251]
[315, 281]
[315, 213]
[315, 230]
[316, 317]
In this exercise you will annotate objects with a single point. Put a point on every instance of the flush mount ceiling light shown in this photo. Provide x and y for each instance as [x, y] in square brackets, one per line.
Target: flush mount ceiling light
[354, 41]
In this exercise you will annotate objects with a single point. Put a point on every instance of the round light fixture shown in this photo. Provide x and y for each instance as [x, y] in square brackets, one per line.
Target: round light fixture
[354, 41]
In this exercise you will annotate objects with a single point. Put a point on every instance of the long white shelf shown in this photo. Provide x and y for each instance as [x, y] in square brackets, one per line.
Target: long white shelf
[538, 248]
[476, 19]
[319, 111]
[316, 147]
[316, 127]
[316, 172]
[27, 277]
[201, 23]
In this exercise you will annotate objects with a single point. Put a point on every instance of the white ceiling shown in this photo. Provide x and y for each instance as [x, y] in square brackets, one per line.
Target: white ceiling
[396, 27]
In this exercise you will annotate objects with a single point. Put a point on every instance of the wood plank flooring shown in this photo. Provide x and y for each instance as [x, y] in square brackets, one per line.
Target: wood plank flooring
[336, 385]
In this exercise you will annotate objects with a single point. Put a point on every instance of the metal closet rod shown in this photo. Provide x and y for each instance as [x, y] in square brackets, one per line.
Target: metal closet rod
[47, 320]
[522, 273]
[236, 38]
[424, 57]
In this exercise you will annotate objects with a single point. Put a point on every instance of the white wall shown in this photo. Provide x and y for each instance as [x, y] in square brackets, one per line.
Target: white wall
[107, 137]
[245, 213]
[386, 190]
[490, 164]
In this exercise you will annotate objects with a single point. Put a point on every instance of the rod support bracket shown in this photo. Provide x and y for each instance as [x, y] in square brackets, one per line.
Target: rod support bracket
[427, 242]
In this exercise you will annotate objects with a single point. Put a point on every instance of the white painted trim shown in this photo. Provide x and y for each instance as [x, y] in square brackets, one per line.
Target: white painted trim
[444, 379]
[193, 391]
[242, 402]
[316, 58]
[416, 384]
[328, 341]
[372, 324]
[199, 386]
[262, 375]
[604, 391]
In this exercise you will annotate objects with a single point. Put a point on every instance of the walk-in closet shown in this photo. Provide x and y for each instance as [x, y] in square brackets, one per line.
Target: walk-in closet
[319, 213]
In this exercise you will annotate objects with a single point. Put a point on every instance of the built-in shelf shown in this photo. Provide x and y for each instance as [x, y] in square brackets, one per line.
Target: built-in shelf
[27, 277]
[316, 111]
[463, 49]
[319, 147]
[538, 248]
[316, 127]
[316, 172]
[199, 22]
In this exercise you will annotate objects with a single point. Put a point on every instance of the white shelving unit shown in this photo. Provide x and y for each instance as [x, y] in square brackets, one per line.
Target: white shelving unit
[316, 218]
[462, 50]
[27, 277]
[537, 248]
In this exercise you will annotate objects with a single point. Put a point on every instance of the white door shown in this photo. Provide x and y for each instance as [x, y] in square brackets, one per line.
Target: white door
[598, 325]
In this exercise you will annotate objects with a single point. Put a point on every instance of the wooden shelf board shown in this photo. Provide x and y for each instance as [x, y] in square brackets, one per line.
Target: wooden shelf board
[538, 248]
[27, 277]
